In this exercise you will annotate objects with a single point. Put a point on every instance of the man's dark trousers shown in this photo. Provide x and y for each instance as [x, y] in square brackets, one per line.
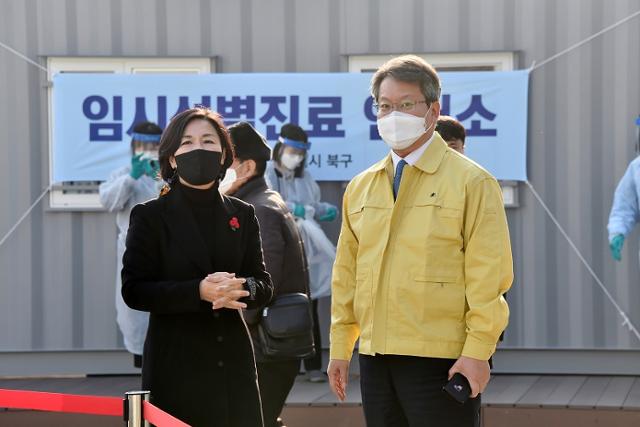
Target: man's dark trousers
[406, 391]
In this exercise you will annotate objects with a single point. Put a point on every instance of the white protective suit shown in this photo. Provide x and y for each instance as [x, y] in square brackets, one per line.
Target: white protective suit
[120, 193]
[625, 211]
[321, 253]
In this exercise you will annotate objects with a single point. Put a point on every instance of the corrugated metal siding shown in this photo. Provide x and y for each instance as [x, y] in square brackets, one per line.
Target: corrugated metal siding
[57, 270]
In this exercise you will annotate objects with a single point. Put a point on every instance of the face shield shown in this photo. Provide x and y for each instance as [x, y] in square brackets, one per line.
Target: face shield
[147, 146]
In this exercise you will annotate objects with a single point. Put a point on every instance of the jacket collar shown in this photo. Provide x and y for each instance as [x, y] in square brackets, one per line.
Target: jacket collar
[429, 162]
[432, 157]
[228, 205]
[382, 164]
[253, 186]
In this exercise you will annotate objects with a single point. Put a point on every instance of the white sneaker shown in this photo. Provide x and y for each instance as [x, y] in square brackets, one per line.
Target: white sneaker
[317, 376]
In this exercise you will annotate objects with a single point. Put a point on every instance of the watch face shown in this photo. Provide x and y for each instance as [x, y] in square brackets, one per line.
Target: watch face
[251, 284]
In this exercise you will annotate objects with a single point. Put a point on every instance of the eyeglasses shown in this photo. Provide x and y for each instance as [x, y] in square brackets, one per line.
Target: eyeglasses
[385, 108]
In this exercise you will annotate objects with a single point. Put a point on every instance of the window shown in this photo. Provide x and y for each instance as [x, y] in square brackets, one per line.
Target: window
[474, 61]
[83, 195]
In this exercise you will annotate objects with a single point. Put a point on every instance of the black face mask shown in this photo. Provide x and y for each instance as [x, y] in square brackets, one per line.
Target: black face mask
[199, 167]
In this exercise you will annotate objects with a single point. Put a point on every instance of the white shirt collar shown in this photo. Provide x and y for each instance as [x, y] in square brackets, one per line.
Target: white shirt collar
[412, 157]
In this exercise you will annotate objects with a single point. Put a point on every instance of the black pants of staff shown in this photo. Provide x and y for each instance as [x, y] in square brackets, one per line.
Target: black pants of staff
[406, 391]
[314, 363]
[275, 380]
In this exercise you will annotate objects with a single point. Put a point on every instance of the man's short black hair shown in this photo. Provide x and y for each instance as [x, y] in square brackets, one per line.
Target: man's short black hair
[450, 129]
[249, 144]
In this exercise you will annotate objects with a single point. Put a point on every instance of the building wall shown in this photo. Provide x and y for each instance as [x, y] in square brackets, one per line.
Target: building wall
[57, 270]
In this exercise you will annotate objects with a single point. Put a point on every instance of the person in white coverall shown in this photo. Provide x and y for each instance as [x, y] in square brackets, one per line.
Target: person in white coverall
[286, 174]
[125, 188]
[625, 212]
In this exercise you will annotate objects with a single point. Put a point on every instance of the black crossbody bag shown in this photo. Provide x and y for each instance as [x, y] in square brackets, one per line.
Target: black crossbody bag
[285, 327]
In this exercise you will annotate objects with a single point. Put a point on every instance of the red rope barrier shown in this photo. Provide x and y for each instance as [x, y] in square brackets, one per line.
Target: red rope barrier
[78, 404]
[57, 402]
[159, 418]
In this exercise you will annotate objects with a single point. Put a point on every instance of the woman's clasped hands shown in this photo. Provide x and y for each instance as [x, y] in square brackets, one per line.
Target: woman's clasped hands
[223, 290]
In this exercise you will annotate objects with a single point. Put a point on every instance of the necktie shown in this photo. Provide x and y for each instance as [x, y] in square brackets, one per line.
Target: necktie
[398, 177]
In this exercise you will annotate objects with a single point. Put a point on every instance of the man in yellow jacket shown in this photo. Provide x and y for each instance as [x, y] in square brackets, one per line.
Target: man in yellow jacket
[422, 264]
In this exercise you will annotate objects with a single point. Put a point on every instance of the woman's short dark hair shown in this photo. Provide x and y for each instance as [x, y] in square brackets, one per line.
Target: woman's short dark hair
[450, 129]
[410, 69]
[295, 132]
[172, 136]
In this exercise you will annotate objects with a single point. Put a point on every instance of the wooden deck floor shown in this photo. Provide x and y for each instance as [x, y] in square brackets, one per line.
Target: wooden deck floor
[525, 391]
[508, 399]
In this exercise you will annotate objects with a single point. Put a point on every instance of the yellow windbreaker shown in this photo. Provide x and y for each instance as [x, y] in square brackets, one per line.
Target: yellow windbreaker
[424, 276]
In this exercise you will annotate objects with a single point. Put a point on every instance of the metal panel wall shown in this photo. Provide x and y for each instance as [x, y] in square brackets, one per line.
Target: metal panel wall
[57, 270]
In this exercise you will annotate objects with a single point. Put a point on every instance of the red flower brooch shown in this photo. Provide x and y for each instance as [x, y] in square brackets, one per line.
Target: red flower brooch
[234, 224]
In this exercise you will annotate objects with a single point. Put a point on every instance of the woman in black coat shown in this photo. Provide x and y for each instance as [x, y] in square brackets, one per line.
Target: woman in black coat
[193, 259]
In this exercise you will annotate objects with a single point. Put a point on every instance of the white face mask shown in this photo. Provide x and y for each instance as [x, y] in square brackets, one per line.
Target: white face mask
[291, 161]
[400, 130]
[230, 177]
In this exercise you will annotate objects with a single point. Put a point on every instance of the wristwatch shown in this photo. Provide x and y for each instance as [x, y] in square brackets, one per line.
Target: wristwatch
[251, 286]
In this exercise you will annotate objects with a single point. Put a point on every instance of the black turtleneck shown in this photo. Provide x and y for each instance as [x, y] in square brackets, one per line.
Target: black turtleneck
[202, 204]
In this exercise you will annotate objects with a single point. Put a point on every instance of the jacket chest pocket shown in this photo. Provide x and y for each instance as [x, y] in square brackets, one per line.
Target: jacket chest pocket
[368, 221]
[437, 221]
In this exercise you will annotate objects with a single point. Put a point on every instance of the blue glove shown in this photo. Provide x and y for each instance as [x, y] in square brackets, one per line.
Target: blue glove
[298, 211]
[151, 168]
[330, 214]
[137, 166]
[616, 247]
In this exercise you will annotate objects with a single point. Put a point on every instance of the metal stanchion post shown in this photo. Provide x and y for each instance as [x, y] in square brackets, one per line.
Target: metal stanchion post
[133, 408]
